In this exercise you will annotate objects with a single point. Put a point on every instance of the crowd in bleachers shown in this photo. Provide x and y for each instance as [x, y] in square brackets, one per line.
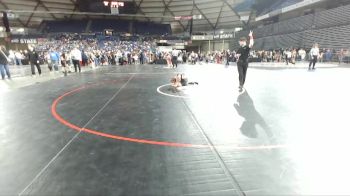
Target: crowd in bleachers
[112, 52]
[94, 52]
[61, 50]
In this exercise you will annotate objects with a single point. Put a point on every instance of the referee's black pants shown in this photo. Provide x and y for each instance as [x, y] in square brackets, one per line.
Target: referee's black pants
[174, 61]
[242, 67]
[32, 67]
[76, 64]
[313, 61]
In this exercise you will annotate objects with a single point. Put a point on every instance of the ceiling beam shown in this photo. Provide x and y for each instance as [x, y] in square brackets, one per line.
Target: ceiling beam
[165, 10]
[217, 21]
[88, 13]
[172, 14]
[47, 9]
[138, 9]
[220, 24]
[205, 17]
[74, 9]
[57, 2]
[7, 8]
[189, 23]
[249, 19]
[233, 10]
[45, 1]
[31, 15]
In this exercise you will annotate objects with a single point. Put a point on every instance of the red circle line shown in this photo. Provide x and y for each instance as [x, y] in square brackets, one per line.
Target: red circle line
[59, 118]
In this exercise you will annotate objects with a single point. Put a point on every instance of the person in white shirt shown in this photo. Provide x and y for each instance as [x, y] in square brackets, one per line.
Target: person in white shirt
[18, 58]
[12, 56]
[76, 58]
[314, 54]
[174, 55]
[302, 54]
[288, 55]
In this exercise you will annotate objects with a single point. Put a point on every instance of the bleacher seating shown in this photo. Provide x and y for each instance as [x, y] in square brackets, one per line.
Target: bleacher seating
[332, 17]
[99, 25]
[279, 5]
[151, 28]
[334, 37]
[66, 26]
[330, 28]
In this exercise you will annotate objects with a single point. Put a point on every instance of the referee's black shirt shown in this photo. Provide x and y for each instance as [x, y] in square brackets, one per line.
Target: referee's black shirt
[244, 52]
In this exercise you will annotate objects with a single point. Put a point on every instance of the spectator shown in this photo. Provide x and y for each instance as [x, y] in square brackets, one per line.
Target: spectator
[321, 56]
[84, 58]
[64, 63]
[288, 56]
[174, 55]
[168, 60]
[314, 53]
[4, 61]
[19, 57]
[55, 59]
[302, 54]
[33, 58]
[328, 55]
[76, 58]
[142, 57]
[341, 55]
[12, 57]
[293, 56]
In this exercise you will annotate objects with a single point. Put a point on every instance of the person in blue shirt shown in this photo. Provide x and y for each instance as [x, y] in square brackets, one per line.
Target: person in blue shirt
[55, 59]
[328, 55]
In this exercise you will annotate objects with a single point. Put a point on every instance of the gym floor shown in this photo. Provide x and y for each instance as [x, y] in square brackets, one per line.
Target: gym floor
[122, 131]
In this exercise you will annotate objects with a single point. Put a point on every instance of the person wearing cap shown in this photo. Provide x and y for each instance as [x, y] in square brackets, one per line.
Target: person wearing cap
[242, 55]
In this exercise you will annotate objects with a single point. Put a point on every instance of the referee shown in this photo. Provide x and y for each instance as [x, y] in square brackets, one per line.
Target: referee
[242, 56]
[314, 54]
